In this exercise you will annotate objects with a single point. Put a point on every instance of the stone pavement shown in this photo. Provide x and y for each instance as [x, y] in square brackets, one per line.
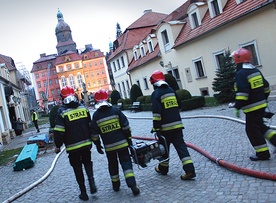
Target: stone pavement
[219, 137]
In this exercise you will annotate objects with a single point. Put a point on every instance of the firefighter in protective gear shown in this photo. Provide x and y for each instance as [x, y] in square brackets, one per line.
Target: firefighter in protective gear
[167, 122]
[252, 91]
[112, 126]
[73, 129]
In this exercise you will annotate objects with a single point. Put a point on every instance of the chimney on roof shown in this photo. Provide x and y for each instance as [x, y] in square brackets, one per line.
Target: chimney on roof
[147, 11]
[88, 47]
[42, 55]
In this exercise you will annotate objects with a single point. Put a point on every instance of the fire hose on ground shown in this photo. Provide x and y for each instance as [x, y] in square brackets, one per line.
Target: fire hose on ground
[218, 161]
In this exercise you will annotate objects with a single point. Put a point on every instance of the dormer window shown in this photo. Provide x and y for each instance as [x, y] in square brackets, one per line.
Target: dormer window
[216, 7]
[194, 22]
[85, 57]
[142, 51]
[67, 58]
[150, 46]
[165, 40]
[196, 12]
[135, 55]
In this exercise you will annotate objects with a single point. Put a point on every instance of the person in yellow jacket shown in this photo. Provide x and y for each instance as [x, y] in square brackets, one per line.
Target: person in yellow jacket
[35, 119]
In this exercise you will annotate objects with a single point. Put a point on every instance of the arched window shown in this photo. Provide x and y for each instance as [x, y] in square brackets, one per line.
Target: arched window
[79, 77]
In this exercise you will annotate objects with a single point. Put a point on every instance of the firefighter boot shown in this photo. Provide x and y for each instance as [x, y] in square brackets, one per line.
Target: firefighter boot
[93, 188]
[160, 171]
[116, 185]
[188, 176]
[135, 190]
[83, 195]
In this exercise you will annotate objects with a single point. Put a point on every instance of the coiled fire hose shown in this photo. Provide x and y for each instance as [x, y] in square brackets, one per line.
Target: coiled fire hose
[218, 161]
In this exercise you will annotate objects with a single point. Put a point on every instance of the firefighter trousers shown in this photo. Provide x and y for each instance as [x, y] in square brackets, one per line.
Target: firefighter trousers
[77, 159]
[257, 132]
[176, 139]
[126, 164]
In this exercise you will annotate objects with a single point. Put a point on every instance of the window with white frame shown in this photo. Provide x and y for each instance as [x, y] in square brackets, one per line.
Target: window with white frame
[150, 46]
[214, 8]
[194, 20]
[72, 81]
[199, 69]
[142, 50]
[146, 83]
[114, 66]
[79, 78]
[252, 47]
[165, 40]
[118, 64]
[138, 83]
[122, 61]
[63, 81]
[175, 73]
[218, 57]
[124, 89]
[128, 87]
[135, 55]
[119, 88]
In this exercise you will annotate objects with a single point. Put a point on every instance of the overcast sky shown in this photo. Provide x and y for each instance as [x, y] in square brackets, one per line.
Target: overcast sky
[27, 27]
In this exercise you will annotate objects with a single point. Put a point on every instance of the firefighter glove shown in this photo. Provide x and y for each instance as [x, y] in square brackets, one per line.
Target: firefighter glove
[129, 141]
[237, 112]
[99, 149]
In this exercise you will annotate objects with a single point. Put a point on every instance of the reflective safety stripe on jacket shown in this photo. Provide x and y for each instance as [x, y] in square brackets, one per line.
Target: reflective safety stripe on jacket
[165, 111]
[73, 128]
[113, 127]
[251, 89]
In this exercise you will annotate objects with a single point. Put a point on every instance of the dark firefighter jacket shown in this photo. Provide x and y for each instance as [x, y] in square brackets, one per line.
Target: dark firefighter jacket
[165, 109]
[73, 128]
[112, 125]
[252, 89]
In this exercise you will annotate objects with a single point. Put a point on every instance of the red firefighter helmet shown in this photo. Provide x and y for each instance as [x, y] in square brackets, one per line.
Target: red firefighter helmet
[241, 56]
[67, 91]
[68, 95]
[101, 95]
[156, 76]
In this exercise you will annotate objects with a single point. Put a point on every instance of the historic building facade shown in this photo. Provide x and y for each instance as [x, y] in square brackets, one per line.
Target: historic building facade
[85, 71]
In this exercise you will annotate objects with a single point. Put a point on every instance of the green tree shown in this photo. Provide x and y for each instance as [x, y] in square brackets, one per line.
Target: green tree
[224, 81]
[135, 92]
[115, 96]
[171, 81]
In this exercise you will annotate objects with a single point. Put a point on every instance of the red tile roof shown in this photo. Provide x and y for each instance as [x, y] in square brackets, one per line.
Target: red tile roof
[231, 12]
[136, 32]
[147, 58]
[9, 62]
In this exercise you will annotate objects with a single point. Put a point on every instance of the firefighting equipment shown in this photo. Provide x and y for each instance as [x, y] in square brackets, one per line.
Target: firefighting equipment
[157, 78]
[237, 113]
[68, 95]
[101, 95]
[142, 152]
[241, 56]
[67, 91]
[135, 190]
